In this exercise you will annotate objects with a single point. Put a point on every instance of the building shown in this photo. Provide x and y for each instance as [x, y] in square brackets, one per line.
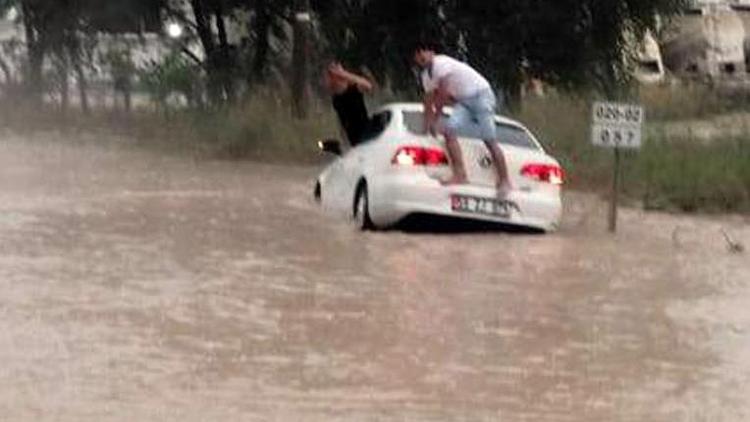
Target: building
[707, 41]
[649, 65]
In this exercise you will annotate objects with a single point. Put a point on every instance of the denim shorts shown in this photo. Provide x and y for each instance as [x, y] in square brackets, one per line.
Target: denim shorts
[473, 117]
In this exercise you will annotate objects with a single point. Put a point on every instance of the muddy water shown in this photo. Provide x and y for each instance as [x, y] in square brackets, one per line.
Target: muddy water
[143, 288]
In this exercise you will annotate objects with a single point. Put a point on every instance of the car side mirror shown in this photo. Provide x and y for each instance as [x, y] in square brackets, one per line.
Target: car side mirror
[331, 146]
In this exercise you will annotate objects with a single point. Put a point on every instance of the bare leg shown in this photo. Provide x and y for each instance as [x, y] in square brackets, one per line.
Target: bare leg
[501, 168]
[457, 161]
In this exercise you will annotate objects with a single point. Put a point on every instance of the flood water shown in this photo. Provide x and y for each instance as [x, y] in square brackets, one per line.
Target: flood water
[142, 288]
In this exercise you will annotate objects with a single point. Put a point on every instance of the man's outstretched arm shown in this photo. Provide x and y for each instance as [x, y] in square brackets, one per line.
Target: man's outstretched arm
[430, 114]
[361, 82]
[433, 105]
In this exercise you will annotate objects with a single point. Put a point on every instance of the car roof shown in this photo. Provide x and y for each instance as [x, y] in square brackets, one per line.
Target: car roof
[419, 108]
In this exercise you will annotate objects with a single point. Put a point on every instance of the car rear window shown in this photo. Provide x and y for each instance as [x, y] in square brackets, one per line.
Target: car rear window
[507, 134]
[377, 125]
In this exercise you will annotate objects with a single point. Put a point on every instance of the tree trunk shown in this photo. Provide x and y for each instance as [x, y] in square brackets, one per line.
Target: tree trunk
[35, 49]
[262, 47]
[513, 97]
[35, 79]
[225, 71]
[128, 96]
[213, 61]
[82, 87]
[203, 27]
[9, 81]
[221, 28]
[63, 73]
[300, 61]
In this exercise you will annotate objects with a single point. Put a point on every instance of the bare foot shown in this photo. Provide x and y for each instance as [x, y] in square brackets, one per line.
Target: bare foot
[504, 188]
[454, 181]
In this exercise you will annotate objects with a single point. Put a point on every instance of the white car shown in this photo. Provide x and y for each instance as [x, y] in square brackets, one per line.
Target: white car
[397, 171]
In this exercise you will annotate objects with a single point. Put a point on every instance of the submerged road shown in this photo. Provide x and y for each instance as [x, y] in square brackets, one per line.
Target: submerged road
[143, 288]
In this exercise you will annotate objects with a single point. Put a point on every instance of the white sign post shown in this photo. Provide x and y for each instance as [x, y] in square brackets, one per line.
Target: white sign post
[617, 126]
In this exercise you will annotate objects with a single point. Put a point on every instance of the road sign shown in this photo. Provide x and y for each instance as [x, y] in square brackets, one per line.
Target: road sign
[617, 125]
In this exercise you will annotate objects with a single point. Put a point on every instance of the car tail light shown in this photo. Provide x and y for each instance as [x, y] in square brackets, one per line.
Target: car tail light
[544, 173]
[420, 156]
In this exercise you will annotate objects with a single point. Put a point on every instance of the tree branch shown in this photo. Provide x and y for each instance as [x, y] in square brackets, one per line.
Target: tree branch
[192, 56]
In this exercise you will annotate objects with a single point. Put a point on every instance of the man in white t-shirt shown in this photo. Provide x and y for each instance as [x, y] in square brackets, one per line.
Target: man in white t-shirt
[447, 81]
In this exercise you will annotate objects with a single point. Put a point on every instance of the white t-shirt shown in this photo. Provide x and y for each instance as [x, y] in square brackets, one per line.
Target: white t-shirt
[461, 80]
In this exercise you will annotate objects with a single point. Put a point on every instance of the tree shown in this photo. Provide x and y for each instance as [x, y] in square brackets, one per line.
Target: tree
[210, 23]
[33, 13]
[64, 31]
[568, 43]
[574, 43]
[267, 26]
[379, 34]
[8, 79]
[301, 60]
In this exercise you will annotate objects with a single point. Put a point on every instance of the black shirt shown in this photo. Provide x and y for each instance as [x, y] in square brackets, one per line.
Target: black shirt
[352, 111]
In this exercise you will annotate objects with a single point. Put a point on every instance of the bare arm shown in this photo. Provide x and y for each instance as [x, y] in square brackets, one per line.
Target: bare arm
[361, 82]
[429, 112]
[433, 105]
[442, 97]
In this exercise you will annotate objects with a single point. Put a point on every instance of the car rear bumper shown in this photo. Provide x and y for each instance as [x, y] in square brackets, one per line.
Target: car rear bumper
[397, 196]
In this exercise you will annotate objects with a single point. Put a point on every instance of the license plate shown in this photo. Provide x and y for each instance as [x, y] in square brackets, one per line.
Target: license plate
[485, 206]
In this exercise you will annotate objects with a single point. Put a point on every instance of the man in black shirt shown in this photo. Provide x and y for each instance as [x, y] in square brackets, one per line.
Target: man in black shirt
[347, 90]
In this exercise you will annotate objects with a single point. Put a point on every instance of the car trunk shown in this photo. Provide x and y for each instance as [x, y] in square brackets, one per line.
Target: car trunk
[480, 168]
[517, 145]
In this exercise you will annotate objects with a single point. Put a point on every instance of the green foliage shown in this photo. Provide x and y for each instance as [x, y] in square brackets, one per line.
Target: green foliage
[380, 34]
[693, 176]
[690, 101]
[124, 15]
[569, 43]
[175, 75]
[670, 172]
[120, 64]
[5, 6]
[260, 129]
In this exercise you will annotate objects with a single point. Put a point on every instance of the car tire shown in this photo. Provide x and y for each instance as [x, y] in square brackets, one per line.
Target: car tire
[361, 212]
